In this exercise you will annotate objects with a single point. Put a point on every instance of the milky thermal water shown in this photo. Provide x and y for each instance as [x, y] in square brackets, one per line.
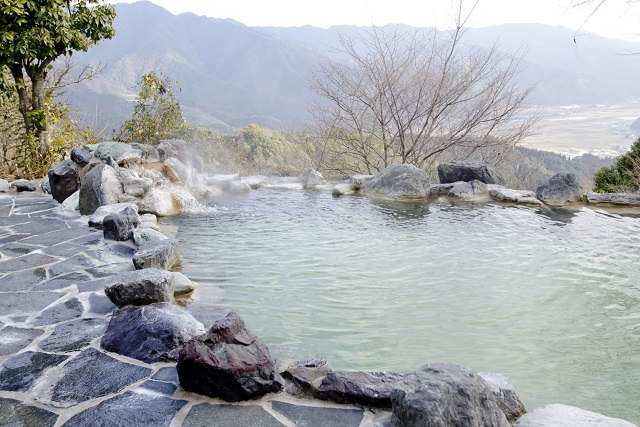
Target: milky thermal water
[549, 298]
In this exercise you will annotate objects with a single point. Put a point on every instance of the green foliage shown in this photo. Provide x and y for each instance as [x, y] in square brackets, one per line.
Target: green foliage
[157, 114]
[623, 177]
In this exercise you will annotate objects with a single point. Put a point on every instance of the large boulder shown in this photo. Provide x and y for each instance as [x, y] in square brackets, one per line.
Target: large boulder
[173, 148]
[228, 362]
[151, 333]
[99, 187]
[144, 235]
[507, 195]
[568, 416]
[615, 199]
[398, 182]
[505, 395]
[160, 203]
[136, 187]
[163, 254]
[468, 171]
[440, 395]
[119, 226]
[23, 185]
[310, 178]
[140, 287]
[561, 188]
[4, 186]
[81, 156]
[362, 388]
[97, 218]
[149, 152]
[119, 152]
[307, 375]
[176, 170]
[471, 190]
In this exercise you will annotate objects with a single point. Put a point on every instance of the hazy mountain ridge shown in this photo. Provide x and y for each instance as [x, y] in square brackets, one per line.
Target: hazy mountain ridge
[231, 75]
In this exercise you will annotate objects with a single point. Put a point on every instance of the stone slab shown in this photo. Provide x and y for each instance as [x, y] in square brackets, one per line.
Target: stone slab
[22, 280]
[167, 375]
[16, 414]
[74, 335]
[73, 264]
[206, 414]
[25, 302]
[67, 310]
[93, 374]
[17, 249]
[62, 282]
[21, 371]
[557, 415]
[160, 387]
[311, 416]
[41, 226]
[100, 304]
[130, 409]
[26, 261]
[63, 250]
[14, 339]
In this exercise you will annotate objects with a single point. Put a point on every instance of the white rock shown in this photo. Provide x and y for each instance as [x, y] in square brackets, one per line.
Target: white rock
[4, 185]
[160, 203]
[344, 189]
[557, 415]
[148, 218]
[137, 187]
[176, 170]
[255, 181]
[103, 211]
[524, 197]
[182, 284]
[72, 203]
[144, 235]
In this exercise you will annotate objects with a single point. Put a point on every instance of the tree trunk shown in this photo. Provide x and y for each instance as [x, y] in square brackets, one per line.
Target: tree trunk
[23, 96]
[39, 125]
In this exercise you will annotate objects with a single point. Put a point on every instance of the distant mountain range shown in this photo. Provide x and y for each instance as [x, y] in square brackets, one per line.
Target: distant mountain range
[231, 75]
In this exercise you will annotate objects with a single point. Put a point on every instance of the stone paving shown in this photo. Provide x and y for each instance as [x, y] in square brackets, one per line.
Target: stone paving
[53, 313]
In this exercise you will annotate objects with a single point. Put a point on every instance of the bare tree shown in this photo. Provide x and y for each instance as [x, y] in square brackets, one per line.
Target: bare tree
[409, 95]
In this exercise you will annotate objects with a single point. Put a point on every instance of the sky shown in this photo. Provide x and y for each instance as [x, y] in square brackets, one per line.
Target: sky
[616, 18]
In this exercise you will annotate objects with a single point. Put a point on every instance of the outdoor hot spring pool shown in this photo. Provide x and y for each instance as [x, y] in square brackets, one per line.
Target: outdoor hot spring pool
[549, 298]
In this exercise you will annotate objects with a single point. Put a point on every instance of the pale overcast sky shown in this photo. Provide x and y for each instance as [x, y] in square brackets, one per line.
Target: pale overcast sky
[616, 18]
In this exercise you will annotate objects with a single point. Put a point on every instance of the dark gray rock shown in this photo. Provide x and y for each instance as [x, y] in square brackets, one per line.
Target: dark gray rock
[119, 226]
[22, 185]
[160, 387]
[81, 156]
[206, 414]
[100, 304]
[21, 371]
[13, 339]
[118, 151]
[311, 416]
[307, 374]
[469, 190]
[441, 395]
[74, 335]
[364, 388]
[64, 180]
[166, 375]
[26, 302]
[140, 287]
[557, 415]
[228, 362]
[129, 409]
[468, 171]
[561, 189]
[99, 187]
[79, 378]
[615, 199]
[14, 413]
[67, 310]
[398, 182]
[152, 333]
[505, 395]
[162, 254]
[97, 218]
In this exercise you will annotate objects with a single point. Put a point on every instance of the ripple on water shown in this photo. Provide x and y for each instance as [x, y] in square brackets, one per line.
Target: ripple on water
[549, 298]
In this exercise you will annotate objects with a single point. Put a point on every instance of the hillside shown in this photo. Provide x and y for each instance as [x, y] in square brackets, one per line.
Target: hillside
[231, 75]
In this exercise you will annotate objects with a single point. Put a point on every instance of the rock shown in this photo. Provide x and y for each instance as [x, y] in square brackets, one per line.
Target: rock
[15, 339]
[118, 151]
[505, 394]
[398, 182]
[442, 188]
[176, 170]
[4, 186]
[23, 185]
[469, 190]
[97, 218]
[182, 285]
[152, 333]
[129, 409]
[468, 171]
[140, 287]
[99, 187]
[81, 156]
[363, 388]
[160, 203]
[46, 186]
[64, 180]
[74, 335]
[228, 362]
[442, 395]
[617, 199]
[307, 374]
[136, 187]
[557, 415]
[149, 152]
[255, 181]
[162, 254]
[303, 415]
[344, 189]
[561, 189]
[93, 374]
[119, 226]
[173, 148]
[148, 218]
[21, 371]
[72, 203]
[310, 178]
[144, 235]
[16, 414]
[523, 197]
[205, 414]
[67, 310]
